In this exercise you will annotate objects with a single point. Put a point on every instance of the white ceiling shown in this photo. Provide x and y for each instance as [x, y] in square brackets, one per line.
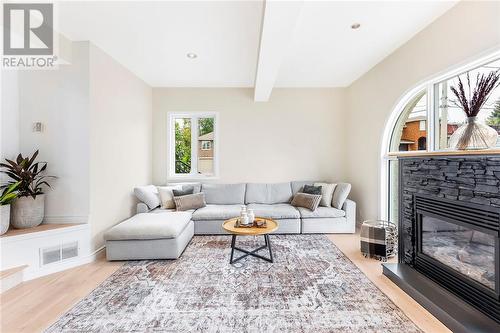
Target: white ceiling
[321, 50]
[327, 52]
[152, 38]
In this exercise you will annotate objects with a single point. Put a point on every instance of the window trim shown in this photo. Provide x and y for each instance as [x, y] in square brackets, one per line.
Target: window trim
[429, 86]
[194, 116]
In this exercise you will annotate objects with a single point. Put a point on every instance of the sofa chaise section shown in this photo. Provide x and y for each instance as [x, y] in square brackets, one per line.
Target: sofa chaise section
[163, 235]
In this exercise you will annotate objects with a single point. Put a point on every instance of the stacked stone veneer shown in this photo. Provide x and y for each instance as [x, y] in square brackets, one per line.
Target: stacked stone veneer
[473, 178]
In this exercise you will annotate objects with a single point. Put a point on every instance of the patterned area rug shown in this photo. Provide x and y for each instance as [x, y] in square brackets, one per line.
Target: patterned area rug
[311, 287]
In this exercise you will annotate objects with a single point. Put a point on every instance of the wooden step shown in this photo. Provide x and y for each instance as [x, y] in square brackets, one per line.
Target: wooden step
[41, 228]
[11, 277]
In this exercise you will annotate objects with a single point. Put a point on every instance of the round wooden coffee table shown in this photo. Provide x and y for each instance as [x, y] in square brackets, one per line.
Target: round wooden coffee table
[271, 225]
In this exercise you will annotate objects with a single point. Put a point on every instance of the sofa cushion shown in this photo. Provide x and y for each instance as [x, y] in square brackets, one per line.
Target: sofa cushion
[306, 200]
[326, 193]
[150, 226]
[216, 212]
[268, 193]
[340, 195]
[190, 201]
[148, 194]
[183, 191]
[321, 212]
[276, 211]
[224, 194]
[167, 196]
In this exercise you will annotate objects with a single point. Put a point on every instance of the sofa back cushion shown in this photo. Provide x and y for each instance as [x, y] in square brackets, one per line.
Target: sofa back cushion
[268, 193]
[224, 194]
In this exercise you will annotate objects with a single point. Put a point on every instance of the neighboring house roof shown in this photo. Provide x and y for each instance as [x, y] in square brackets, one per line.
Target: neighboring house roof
[206, 137]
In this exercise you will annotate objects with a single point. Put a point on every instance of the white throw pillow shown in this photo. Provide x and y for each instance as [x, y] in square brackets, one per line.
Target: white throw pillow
[167, 196]
[326, 193]
[148, 194]
[340, 195]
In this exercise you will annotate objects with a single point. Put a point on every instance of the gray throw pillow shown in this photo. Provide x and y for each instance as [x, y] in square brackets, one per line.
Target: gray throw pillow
[185, 191]
[311, 189]
[190, 201]
[310, 201]
[340, 195]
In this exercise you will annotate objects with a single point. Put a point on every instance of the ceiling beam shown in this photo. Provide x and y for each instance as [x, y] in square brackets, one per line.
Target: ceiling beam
[278, 26]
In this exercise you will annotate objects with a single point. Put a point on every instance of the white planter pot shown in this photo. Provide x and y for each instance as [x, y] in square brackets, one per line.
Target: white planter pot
[5, 218]
[27, 212]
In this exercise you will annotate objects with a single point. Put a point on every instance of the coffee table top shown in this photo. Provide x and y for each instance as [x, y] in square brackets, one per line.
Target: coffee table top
[271, 225]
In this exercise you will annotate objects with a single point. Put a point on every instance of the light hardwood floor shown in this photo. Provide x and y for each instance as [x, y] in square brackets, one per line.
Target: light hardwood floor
[34, 305]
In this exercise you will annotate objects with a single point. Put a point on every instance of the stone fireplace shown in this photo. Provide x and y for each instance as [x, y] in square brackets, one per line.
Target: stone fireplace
[449, 228]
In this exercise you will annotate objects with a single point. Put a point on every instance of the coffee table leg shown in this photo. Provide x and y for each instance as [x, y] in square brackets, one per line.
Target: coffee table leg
[268, 244]
[251, 252]
[233, 241]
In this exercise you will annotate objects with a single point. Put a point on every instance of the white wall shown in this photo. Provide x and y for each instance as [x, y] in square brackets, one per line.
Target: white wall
[120, 141]
[59, 99]
[467, 30]
[9, 117]
[298, 134]
[97, 135]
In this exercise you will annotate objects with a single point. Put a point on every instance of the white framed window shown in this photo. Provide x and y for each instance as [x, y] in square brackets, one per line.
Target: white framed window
[431, 105]
[206, 145]
[422, 125]
[192, 145]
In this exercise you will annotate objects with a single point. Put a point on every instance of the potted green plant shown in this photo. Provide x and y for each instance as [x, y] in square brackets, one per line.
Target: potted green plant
[27, 210]
[8, 195]
[473, 134]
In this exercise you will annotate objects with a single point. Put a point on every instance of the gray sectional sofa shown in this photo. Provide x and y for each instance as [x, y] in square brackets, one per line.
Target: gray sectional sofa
[224, 201]
[271, 200]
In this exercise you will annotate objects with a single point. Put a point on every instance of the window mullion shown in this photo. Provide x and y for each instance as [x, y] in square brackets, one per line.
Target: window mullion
[431, 119]
[194, 145]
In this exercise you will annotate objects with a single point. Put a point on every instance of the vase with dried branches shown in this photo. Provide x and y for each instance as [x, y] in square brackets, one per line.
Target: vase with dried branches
[473, 134]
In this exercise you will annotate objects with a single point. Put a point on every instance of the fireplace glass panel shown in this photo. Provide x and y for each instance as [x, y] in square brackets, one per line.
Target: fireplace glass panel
[465, 250]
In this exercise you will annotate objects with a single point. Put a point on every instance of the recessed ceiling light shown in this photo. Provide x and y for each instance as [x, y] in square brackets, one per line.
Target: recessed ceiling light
[192, 55]
[355, 26]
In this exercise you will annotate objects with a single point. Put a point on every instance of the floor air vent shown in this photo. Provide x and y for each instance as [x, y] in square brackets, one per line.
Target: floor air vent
[54, 254]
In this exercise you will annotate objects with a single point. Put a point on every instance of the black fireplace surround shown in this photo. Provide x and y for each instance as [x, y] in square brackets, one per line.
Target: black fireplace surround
[449, 225]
